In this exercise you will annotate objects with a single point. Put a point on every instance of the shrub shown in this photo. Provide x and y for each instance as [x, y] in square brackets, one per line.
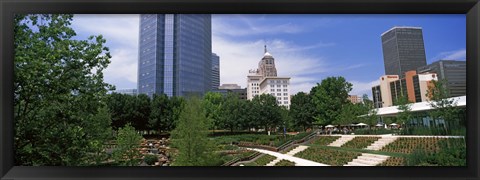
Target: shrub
[393, 161]
[150, 159]
[452, 152]
[328, 156]
[284, 162]
[409, 145]
[374, 131]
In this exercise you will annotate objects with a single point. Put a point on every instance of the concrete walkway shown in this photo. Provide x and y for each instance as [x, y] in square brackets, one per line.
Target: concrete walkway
[296, 160]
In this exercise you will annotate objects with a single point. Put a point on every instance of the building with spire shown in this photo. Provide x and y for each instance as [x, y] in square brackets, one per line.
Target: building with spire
[264, 80]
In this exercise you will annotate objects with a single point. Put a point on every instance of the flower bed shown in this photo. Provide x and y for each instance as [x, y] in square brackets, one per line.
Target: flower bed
[360, 142]
[262, 161]
[325, 140]
[393, 161]
[408, 145]
[284, 162]
[328, 156]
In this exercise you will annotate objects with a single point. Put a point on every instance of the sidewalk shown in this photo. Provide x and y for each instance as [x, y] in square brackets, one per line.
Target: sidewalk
[298, 161]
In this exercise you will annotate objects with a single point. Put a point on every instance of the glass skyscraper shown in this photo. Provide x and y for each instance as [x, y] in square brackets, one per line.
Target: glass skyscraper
[175, 54]
[403, 50]
[215, 71]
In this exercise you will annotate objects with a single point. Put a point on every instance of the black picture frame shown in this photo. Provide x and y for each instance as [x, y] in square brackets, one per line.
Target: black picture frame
[468, 7]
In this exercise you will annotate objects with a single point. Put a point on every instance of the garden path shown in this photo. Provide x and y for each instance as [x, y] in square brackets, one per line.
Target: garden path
[296, 160]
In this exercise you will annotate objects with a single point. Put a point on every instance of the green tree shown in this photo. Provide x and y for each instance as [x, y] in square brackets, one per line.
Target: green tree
[128, 143]
[190, 137]
[159, 119]
[213, 104]
[141, 113]
[302, 110]
[329, 97]
[268, 111]
[58, 92]
[443, 106]
[405, 109]
[351, 113]
[230, 112]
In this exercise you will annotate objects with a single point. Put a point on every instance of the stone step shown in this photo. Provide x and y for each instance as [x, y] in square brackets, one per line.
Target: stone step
[366, 162]
[342, 140]
[272, 163]
[296, 150]
[366, 158]
[355, 164]
[374, 155]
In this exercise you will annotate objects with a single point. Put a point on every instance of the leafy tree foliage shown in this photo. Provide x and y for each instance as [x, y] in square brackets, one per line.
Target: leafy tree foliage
[231, 112]
[58, 92]
[190, 137]
[159, 119]
[128, 143]
[350, 113]
[268, 113]
[443, 107]
[213, 104]
[302, 110]
[329, 97]
[405, 109]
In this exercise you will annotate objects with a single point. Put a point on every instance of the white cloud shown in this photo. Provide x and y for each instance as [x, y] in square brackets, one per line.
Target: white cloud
[237, 57]
[121, 33]
[248, 27]
[360, 88]
[451, 55]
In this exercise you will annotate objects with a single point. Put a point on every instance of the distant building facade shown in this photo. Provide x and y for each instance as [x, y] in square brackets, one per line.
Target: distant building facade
[414, 87]
[224, 89]
[355, 99]
[132, 92]
[403, 50]
[229, 86]
[215, 71]
[264, 80]
[454, 72]
[175, 54]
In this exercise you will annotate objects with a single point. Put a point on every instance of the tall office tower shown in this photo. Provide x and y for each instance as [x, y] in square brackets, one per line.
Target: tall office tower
[264, 80]
[403, 50]
[455, 72]
[267, 65]
[215, 71]
[175, 54]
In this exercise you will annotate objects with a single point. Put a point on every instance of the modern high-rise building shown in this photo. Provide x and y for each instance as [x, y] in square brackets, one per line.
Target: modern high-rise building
[454, 72]
[403, 50]
[215, 71]
[264, 80]
[175, 54]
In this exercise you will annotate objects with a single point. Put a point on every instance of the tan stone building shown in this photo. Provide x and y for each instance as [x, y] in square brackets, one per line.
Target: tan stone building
[264, 80]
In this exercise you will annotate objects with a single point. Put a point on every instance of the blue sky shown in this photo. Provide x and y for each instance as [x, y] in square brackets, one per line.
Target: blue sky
[307, 48]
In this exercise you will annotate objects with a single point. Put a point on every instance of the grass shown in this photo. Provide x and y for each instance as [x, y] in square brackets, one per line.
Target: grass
[284, 162]
[262, 161]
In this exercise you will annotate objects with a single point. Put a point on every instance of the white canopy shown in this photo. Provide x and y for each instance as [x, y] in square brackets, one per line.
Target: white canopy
[378, 125]
[393, 124]
[329, 126]
[362, 124]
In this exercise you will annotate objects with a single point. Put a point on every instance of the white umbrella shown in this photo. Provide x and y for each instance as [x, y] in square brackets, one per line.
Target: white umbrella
[378, 125]
[362, 124]
[329, 126]
[393, 124]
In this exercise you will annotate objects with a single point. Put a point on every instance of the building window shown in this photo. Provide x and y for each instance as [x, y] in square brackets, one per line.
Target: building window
[284, 85]
[273, 94]
[285, 90]
[285, 94]
[279, 94]
[279, 90]
[285, 102]
[285, 98]
[278, 85]
[271, 85]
